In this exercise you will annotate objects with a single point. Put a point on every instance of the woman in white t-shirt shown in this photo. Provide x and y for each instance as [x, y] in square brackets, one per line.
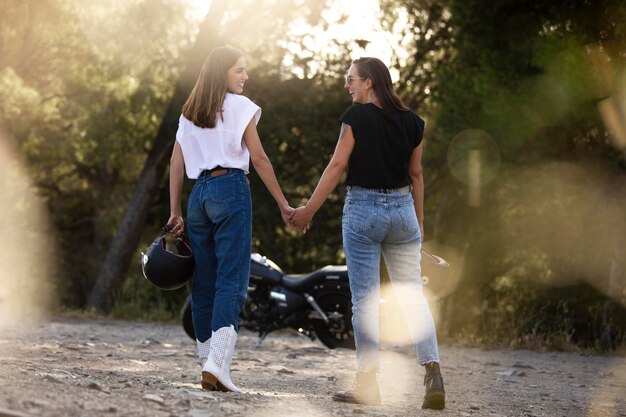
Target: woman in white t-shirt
[216, 140]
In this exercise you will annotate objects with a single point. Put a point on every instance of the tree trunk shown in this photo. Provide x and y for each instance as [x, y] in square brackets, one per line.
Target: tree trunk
[129, 231]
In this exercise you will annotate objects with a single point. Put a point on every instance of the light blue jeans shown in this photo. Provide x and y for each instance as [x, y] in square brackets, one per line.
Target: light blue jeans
[375, 222]
[219, 224]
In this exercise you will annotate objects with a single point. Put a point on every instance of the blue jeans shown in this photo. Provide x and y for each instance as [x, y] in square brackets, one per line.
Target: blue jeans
[219, 224]
[375, 222]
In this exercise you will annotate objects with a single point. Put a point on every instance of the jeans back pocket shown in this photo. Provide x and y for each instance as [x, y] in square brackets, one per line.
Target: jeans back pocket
[359, 216]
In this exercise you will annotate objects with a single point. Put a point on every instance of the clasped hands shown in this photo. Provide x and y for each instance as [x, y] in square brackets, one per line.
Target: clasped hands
[297, 218]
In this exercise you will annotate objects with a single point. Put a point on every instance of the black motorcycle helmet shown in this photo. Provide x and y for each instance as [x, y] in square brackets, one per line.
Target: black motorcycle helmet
[165, 269]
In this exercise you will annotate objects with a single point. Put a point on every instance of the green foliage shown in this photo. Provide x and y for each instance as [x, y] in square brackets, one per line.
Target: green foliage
[530, 75]
[522, 313]
[524, 69]
[425, 43]
[139, 300]
[82, 99]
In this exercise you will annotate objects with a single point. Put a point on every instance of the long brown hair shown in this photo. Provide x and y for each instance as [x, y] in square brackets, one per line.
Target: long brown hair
[377, 71]
[206, 99]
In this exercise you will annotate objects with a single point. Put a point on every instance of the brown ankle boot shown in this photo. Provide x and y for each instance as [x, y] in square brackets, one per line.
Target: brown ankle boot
[435, 394]
[365, 390]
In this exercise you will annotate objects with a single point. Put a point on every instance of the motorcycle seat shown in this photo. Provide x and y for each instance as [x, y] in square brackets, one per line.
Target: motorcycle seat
[305, 282]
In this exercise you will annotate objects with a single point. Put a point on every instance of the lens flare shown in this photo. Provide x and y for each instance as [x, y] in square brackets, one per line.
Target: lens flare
[614, 117]
[405, 316]
[291, 405]
[474, 157]
[26, 247]
[568, 221]
[442, 281]
[407, 310]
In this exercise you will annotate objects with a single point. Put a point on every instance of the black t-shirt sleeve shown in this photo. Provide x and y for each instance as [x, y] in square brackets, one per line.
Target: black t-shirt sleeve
[420, 130]
[350, 116]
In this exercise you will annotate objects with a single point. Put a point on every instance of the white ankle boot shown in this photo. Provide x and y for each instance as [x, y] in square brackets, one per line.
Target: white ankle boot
[203, 350]
[216, 370]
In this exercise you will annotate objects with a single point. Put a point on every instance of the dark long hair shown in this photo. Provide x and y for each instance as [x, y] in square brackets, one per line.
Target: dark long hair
[206, 99]
[377, 71]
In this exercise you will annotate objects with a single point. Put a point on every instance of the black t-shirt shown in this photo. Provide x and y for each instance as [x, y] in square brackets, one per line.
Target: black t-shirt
[384, 142]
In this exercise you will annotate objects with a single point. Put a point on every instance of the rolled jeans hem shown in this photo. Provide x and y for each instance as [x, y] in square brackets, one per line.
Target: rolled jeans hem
[424, 362]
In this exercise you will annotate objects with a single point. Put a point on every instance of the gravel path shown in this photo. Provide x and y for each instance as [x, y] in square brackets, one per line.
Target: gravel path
[83, 367]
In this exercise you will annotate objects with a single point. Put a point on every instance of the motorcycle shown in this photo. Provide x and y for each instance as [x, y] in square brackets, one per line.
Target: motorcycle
[317, 305]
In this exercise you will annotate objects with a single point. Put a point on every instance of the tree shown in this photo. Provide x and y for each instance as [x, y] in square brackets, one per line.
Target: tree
[425, 43]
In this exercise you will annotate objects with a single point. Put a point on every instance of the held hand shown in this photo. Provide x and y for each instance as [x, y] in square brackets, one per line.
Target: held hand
[286, 214]
[179, 225]
[301, 219]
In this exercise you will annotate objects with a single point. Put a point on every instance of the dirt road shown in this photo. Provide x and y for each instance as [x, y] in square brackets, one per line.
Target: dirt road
[79, 367]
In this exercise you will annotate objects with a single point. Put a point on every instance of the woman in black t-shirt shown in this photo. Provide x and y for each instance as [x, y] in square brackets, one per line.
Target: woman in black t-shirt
[380, 143]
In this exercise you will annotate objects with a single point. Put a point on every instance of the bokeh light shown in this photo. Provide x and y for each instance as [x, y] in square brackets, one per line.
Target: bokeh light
[467, 143]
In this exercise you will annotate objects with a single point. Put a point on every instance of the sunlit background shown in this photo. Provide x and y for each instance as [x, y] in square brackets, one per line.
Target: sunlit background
[524, 151]
[343, 22]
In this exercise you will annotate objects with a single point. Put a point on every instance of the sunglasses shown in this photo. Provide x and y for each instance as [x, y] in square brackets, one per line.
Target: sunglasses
[350, 78]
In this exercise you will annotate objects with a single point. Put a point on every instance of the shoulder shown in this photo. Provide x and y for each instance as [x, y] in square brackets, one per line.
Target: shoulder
[238, 101]
[417, 117]
[414, 118]
[241, 109]
[359, 109]
[352, 113]
[418, 120]
[417, 124]
[184, 123]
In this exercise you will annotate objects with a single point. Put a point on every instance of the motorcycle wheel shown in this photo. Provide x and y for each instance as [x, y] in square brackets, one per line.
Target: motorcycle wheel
[186, 318]
[339, 332]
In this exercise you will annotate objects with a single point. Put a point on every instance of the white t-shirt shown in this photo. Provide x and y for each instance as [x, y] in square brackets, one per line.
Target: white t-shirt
[222, 145]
